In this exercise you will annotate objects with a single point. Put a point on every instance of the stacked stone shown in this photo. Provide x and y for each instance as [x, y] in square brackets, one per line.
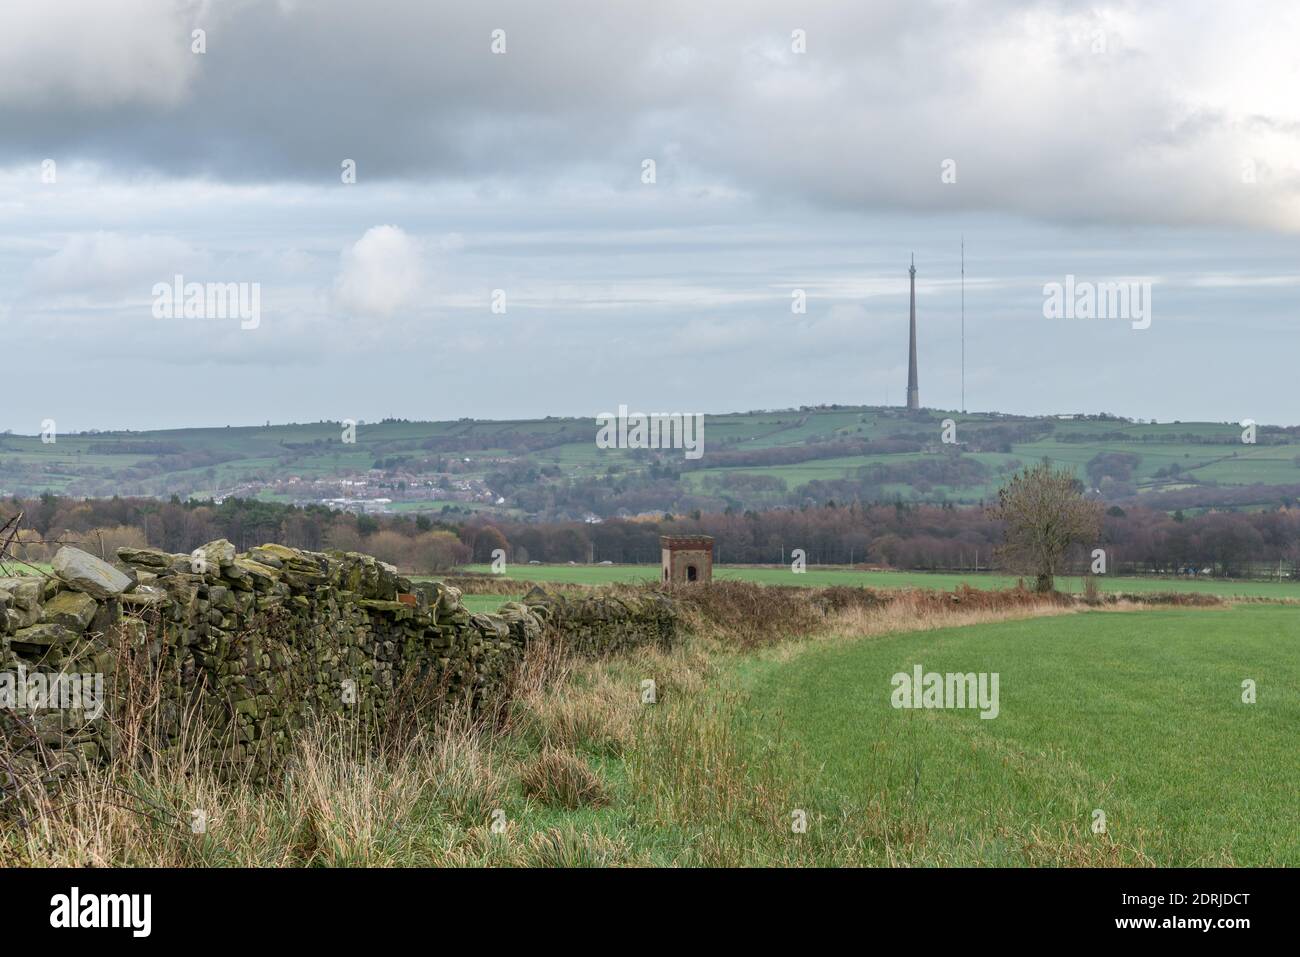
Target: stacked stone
[52, 626]
[251, 645]
[602, 624]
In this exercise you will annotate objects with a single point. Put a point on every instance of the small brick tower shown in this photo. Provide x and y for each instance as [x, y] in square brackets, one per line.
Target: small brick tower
[686, 558]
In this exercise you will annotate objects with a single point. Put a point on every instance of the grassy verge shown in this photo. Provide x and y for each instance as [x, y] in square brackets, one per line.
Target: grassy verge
[776, 712]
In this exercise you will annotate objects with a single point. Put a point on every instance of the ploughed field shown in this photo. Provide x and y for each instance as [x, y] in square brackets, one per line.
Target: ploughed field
[813, 577]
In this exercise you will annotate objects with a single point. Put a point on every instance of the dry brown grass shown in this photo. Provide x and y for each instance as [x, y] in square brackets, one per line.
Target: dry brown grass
[561, 778]
[546, 664]
[917, 611]
[696, 790]
[595, 706]
[746, 617]
[1073, 846]
[596, 713]
[570, 847]
[339, 802]
[339, 796]
[556, 708]
[496, 585]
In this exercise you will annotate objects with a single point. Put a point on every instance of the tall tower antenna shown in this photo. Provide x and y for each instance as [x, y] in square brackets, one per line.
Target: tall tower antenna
[963, 322]
[913, 390]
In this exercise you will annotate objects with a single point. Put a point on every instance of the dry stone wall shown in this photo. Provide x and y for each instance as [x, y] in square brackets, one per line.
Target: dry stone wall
[254, 644]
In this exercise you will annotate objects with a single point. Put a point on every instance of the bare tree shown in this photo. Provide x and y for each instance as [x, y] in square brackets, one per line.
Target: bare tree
[1045, 513]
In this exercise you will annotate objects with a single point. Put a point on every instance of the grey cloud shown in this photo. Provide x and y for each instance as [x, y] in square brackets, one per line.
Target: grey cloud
[1037, 122]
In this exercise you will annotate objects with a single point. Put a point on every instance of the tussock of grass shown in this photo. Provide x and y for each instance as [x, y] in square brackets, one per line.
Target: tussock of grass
[552, 707]
[696, 775]
[561, 778]
[596, 715]
[569, 847]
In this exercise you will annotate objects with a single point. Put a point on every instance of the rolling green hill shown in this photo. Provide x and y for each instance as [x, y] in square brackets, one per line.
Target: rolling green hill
[553, 467]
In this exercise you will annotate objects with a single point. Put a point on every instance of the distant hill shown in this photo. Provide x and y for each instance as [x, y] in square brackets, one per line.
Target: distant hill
[553, 468]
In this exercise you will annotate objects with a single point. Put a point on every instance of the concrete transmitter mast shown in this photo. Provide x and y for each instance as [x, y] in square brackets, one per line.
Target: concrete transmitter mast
[913, 390]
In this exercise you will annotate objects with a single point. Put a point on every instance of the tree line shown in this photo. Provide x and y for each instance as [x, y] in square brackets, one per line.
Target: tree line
[924, 537]
[901, 535]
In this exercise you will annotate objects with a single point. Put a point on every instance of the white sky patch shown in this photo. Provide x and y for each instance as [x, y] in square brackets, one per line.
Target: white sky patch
[111, 266]
[380, 273]
[1244, 282]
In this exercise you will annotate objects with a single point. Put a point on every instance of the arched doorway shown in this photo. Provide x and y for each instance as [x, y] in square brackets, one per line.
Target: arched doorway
[691, 573]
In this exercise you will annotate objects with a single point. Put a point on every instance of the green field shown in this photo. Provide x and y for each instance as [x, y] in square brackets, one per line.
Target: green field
[487, 603]
[256, 461]
[1137, 714]
[814, 577]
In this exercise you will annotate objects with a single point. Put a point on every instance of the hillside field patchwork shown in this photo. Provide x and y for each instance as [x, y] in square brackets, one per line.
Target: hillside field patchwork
[751, 459]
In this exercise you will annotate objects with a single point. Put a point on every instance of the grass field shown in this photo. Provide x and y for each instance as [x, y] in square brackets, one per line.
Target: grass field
[1138, 714]
[487, 603]
[204, 461]
[1134, 713]
[610, 574]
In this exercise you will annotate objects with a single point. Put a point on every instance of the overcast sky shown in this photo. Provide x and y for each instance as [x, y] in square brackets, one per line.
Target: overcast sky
[1145, 142]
